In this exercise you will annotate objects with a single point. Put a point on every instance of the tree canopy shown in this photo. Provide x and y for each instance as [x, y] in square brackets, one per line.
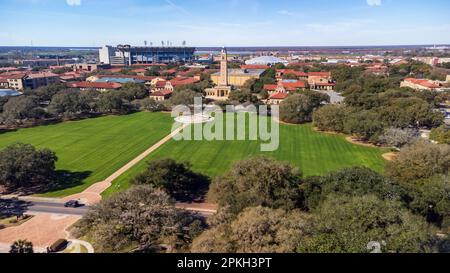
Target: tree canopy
[257, 181]
[138, 219]
[177, 179]
[298, 108]
[23, 166]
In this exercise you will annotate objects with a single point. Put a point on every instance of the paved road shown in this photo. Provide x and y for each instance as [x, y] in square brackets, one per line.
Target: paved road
[54, 208]
[14, 206]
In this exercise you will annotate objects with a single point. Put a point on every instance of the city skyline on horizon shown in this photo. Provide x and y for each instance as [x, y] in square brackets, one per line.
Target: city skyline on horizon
[255, 23]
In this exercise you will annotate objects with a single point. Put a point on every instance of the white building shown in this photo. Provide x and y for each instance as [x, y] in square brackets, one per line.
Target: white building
[266, 60]
[106, 53]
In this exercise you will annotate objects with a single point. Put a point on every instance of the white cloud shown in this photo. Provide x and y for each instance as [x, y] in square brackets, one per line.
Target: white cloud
[285, 12]
[73, 2]
[374, 2]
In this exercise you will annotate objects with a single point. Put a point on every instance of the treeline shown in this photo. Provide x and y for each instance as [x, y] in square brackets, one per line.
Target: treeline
[268, 206]
[57, 102]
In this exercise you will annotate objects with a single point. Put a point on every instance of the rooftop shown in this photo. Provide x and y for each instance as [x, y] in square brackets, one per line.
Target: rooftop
[266, 60]
[9, 93]
[95, 85]
[244, 72]
[120, 80]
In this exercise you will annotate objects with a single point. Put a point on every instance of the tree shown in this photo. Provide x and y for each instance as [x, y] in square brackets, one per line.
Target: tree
[23, 166]
[22, 246]
[138, 217]
[148, 104]
[430, 198]
[357, 181]
[255, 230]
[152, 72]
[405, 112]
[366, 125]
[134, 91]
[242, 96]
[110, 102]
[395, 137]
[21, 108]
[441, 135]
[344, 224]
[46, 93]
[257, 181]
[329, 118]
[177, 179]
[298, 108]
[420, 160]
[68, 104]
[183, 97]
[3, 101]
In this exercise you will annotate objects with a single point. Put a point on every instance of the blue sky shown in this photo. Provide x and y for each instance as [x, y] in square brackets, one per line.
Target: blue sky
[224, 22]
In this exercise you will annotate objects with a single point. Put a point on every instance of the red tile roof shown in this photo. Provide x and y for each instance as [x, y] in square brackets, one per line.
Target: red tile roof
[7, 69]
[95, 85]
[179, 81]
[324, 84]
[147, 65]
[270, 87]
[169, 71]
[294, 85]
[320, 74]
[139, 70]
[254, 66]
[162, 93]
[142, 78]
[160, 84]
[294, 72]
[42, 75]
[279, 96]
[423, 82]
[16, 76]
[289, 86]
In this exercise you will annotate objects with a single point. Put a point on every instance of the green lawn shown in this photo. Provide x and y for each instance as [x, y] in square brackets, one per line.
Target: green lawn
[312, 152]
[93, 149]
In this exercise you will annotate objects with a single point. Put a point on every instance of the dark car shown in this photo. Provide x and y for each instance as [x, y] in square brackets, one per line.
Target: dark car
[58, 246]
[72, 204]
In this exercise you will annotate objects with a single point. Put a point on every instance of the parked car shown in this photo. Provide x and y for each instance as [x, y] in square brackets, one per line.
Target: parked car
[58, 246]
[73, 204]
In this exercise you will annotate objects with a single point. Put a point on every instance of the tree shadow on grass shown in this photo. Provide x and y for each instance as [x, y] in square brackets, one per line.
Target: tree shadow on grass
[197, 191]
[67, 179]
[63, 180]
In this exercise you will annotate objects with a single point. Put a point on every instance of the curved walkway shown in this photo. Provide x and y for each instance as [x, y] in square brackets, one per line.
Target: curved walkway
[75, 249]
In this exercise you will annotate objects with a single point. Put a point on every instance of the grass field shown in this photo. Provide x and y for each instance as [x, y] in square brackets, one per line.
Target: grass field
[312, 152]
[93, 149]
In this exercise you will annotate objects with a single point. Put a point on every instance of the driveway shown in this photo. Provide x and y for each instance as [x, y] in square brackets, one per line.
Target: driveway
[43, 230]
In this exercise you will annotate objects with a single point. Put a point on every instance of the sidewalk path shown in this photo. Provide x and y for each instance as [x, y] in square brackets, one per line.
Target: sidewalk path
[92, 195]
[45, 229]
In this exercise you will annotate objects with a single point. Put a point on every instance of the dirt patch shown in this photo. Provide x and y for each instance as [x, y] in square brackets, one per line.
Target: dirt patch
[282, 122]
[359, 142]
[328, 132]
[390, 156]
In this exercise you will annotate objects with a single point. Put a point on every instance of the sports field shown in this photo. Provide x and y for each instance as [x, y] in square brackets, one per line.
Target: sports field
[312, 152]
[92, 149]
